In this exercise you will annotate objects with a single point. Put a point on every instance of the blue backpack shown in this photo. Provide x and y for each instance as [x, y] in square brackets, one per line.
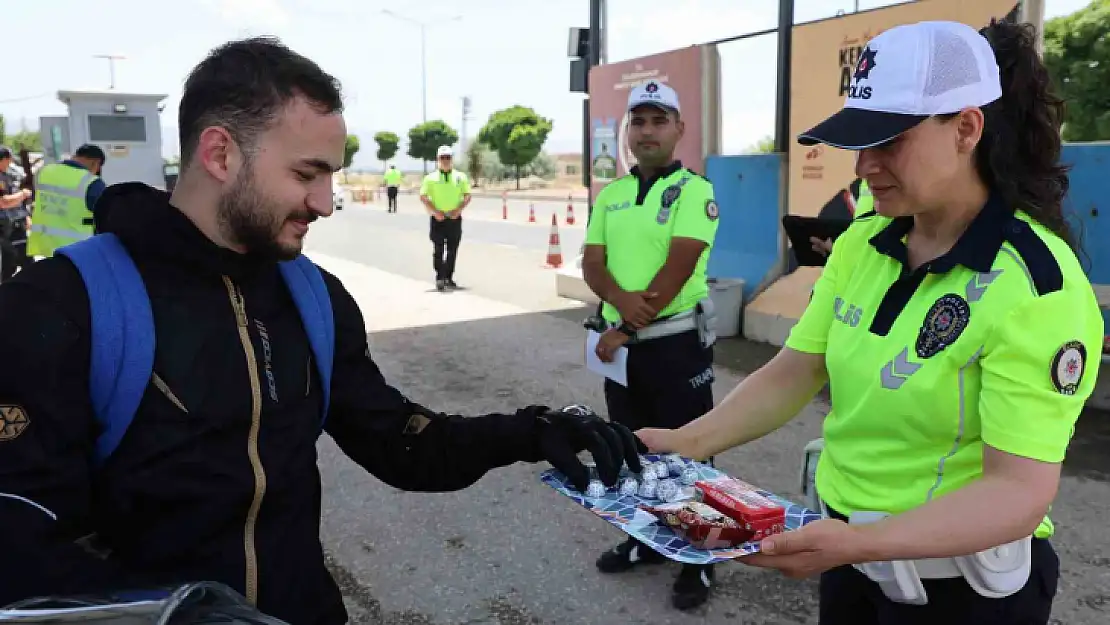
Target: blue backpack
[122, 341]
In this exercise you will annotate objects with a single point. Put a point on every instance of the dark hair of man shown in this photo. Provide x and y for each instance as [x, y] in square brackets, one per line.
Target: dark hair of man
[242, 86]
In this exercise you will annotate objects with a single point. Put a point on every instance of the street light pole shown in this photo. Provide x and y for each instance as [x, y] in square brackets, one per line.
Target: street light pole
[424, 73]
[423, 59]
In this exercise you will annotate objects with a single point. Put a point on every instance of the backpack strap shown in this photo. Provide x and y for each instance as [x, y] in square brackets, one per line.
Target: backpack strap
[313, 300]
[122, 335]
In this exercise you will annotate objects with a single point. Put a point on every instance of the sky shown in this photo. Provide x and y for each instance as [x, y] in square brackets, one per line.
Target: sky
[497, 52]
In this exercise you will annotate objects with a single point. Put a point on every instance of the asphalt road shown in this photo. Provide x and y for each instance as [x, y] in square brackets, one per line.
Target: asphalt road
[509, 550]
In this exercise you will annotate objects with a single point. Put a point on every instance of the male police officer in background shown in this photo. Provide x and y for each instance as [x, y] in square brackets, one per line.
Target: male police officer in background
[65, 199]
[13, 218]
[392, 178]
[647, 246]
[445, 193]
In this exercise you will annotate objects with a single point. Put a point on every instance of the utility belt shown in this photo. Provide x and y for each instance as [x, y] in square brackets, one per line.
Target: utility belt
[702, 317]
[993, 573]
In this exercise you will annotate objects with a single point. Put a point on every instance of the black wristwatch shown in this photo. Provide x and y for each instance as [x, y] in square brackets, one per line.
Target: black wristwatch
[627, 330]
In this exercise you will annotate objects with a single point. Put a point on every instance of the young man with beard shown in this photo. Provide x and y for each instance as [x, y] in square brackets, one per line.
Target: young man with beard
[647, 246]
[212, 474]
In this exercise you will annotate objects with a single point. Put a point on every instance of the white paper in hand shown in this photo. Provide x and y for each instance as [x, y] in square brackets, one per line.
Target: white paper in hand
[617, 370]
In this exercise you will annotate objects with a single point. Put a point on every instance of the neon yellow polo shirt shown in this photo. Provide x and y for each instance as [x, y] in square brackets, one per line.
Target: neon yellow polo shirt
[445, 189]
[996, 343]
[393, 177]
[635, 220]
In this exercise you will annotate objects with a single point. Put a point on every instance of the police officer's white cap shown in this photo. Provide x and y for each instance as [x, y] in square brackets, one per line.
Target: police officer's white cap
[653, 93]
[444, 150]
[906, 75]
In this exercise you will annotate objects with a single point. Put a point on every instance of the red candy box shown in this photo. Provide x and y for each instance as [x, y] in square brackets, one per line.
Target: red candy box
[702, 526]
[759, 516]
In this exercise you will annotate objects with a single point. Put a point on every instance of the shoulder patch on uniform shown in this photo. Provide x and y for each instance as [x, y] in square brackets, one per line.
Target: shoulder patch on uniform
[1068, 367]
[944, 323]
[1040, 263]
[698, 175]
[711, 210]
[13, 421]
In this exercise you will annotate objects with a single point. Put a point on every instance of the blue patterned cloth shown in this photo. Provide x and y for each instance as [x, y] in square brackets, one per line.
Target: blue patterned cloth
[623, 511]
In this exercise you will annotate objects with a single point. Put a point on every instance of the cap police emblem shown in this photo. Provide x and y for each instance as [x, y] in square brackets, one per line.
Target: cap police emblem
[13, 420]
[711, 210]
[865, 64]
[944, 323]
[1068, 366]
[651, 87]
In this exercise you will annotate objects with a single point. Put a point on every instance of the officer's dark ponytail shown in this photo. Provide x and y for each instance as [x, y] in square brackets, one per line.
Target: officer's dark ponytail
[1019, 153]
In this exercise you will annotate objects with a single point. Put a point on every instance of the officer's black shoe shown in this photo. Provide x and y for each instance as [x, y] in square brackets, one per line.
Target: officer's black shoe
[627, 555]
[691, 589]
[451, 284]
[441, 285]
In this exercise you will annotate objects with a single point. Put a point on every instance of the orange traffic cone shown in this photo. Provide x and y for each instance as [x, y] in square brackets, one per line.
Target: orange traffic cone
[554, 250]
[531, 213]
[570, 210]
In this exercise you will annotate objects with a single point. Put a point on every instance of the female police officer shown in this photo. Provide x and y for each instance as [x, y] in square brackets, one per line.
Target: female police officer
[955, 328]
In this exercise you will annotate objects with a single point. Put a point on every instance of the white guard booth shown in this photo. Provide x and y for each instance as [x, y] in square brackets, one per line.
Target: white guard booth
[127, 126]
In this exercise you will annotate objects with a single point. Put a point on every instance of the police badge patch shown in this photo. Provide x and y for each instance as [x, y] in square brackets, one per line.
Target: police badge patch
[670, 196]
[1068, 366]
[944, 323]
[711, 210]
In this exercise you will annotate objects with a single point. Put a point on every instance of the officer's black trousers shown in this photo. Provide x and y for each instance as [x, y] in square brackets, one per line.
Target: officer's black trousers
[391, 196]
[670, 383]
[445, 237]
[848, 597]
[13, 247]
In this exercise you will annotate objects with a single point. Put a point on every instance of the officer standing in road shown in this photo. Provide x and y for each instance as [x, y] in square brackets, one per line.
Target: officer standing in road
[957, 331]
[647, 246]
[65, 199]
[393, 178]
[13, 218]
[445, 193]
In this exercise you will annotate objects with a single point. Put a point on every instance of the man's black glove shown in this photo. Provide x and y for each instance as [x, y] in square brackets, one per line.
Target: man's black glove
[564, 432]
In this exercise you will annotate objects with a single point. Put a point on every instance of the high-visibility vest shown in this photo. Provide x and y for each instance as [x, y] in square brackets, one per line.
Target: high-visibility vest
[60, 216]
[865, 203]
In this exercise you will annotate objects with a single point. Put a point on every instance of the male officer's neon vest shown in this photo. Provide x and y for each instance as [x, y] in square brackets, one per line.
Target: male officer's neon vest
[60, 216]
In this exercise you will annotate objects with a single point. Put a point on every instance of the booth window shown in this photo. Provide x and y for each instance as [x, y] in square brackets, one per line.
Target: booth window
[114, 128]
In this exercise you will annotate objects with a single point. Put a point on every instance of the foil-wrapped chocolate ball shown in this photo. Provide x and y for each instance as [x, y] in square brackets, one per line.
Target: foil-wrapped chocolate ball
[647, 489]
[675, 464]
[661, 470]
[667, 490]
[629, 486]
[595, 489]
[689, 475]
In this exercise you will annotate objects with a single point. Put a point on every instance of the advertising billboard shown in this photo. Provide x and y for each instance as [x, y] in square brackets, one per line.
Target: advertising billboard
[694, 73]
[822, 179]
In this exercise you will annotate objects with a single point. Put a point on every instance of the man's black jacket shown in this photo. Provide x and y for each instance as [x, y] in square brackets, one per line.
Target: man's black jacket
[216, 479]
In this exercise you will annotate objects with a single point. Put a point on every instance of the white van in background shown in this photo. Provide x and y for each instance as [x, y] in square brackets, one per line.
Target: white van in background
[338, 194]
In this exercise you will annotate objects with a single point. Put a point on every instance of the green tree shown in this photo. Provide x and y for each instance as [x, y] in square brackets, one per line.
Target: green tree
[517, 134]
[1077, 53]
[29, 139]
[425, 139]
[2, 136]
[388, 144]
[474, 161]
[350, 148]
[766, 145]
